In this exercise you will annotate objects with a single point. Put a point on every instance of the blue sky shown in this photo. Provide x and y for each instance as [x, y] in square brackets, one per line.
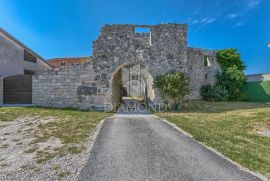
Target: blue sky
[66, 28]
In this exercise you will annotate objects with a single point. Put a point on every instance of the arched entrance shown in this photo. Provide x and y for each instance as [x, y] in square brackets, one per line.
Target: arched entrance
[131, 81]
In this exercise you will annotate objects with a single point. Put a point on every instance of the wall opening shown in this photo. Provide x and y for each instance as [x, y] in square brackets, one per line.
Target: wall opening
[131, 81]
[29, 57]
[29, 72]
[206, 61]
[144, 32]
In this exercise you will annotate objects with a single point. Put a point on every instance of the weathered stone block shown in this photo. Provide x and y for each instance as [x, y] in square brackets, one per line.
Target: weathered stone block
[84, 90]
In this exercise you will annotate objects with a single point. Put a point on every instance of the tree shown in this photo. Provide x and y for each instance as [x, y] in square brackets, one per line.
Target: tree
[230, 57]
[173, 85]
[232, 79]
[229, 81]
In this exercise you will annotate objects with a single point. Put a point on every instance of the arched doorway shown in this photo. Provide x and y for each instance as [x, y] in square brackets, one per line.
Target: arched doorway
[131, 81]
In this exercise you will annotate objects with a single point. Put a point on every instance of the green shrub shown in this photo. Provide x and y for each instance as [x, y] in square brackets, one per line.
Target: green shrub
[214, 93]
[174, 86]
[232, 79]
[229, 81]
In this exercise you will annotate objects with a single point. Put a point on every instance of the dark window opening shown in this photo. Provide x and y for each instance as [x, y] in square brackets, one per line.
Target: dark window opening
[135, 83]
[63, 63]
[135, 77]
[29, 57]
[29, 72]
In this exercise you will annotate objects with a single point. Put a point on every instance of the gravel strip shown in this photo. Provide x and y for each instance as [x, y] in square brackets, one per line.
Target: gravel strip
[17, 153]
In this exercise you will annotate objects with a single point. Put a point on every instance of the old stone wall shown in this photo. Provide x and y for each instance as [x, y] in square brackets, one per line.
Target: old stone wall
[71, 86]
[199, 72]
[1, 90]
[161, 50]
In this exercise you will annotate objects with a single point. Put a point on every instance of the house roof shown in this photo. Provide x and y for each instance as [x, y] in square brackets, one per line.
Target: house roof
[22, 45]
[66, 59]
[55, 62]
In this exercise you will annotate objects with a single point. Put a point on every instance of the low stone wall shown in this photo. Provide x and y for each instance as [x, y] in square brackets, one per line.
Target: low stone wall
[1, 90]
[71, 86]
[258, 77]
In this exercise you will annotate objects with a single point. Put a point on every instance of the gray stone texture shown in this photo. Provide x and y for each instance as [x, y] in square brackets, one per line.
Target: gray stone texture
[94, 83]
[1, 90]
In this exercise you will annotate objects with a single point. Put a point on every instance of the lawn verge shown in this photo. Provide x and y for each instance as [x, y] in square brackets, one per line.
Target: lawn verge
[231, 129]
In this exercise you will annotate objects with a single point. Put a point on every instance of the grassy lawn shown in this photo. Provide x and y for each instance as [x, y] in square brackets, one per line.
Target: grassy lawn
[70, 127]
[231, 128]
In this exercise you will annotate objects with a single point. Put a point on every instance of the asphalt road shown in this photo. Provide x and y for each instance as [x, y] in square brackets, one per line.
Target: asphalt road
[146, 148]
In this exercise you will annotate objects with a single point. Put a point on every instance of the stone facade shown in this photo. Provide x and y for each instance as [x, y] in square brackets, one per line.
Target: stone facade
[12, 58]
[96, 83]
[202, 68]
[1, 91]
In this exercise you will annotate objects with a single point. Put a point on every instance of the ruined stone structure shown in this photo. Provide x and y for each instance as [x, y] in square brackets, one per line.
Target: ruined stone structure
[95, 83]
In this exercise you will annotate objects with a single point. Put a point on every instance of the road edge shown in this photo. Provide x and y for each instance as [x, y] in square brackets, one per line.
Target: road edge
[93, 138]
[242, 168]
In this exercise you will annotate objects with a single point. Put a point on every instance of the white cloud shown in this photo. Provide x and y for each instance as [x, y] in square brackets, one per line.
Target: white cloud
[238, 24]
[210, 20]
[203, 20]
[251, 4]
[233, 16]
[195, 22]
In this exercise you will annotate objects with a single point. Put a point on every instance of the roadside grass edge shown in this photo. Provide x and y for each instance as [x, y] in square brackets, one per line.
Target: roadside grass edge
[242, 168]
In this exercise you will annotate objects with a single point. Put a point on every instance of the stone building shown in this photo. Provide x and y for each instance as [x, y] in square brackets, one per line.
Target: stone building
[160, 49]
[17, 59]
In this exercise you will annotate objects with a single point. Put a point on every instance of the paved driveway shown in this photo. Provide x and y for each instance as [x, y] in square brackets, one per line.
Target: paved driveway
[130, 147]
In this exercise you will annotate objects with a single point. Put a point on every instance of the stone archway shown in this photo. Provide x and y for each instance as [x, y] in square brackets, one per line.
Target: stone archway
[133, 78]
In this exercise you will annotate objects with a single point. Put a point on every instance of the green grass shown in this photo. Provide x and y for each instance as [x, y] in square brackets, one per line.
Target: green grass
[257, 91]
[70, 127]
[231, 128]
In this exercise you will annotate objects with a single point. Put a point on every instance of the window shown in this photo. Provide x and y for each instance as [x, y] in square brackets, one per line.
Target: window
[62, 63]
[134, 83]
[206, 61]
[29, 72]
[29, 57]
[135, 77]
[142, 30]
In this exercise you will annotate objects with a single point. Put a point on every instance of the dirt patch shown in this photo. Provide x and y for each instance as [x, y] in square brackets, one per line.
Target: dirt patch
[24, 157]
